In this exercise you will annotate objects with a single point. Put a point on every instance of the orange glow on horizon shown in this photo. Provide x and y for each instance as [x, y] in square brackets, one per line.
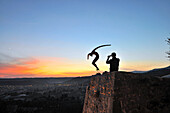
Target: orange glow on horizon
[62, 67]
[45, 67]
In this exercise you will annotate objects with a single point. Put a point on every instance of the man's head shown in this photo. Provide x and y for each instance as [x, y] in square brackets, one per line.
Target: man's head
[113, 54]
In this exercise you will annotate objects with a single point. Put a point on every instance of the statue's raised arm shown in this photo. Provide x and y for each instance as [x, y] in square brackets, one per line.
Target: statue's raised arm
[101, 46]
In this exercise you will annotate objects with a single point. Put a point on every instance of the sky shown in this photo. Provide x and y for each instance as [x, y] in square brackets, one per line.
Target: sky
[51, 38]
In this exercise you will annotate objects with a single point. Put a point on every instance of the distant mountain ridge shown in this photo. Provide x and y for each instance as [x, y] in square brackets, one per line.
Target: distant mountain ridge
[32, 81]
[156, 69]
[80, 80]
[159, 72]
[159, 69]
[139, 71]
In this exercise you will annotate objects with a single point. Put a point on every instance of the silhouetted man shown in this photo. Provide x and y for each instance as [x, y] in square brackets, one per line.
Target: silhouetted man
[114, 62]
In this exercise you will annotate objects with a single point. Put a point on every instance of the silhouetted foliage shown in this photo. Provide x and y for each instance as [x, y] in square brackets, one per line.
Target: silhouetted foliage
[168, 52]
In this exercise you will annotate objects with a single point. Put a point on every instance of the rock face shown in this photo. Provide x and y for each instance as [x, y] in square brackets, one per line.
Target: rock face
[121, 92]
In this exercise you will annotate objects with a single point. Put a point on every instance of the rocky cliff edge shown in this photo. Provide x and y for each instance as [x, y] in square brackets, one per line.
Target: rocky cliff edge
[122, 92]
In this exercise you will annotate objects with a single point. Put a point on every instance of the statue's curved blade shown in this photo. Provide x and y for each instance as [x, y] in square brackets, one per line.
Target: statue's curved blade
[101, 46]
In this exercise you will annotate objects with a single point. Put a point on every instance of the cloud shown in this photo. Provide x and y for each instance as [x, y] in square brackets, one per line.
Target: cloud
[18, 75]
[6, 58]
[26, 61]
[13, 67]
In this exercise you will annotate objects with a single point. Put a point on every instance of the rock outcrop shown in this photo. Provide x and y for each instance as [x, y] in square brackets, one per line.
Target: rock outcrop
[122, 92]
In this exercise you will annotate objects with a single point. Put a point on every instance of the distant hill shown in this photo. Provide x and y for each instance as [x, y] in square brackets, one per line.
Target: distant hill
[166, 76]
[138, 71]
[83, 81]
[32, 81]
[159, 72]
[155, 72]
[79, 81]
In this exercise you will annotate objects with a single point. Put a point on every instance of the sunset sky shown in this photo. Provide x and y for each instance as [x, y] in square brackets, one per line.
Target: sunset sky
[51, 38]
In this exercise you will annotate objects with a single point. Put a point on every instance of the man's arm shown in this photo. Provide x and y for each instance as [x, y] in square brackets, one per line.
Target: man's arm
[107, 61]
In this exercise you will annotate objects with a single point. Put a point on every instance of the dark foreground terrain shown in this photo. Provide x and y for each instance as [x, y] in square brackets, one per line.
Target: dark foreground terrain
[45, 95]
[62, 95]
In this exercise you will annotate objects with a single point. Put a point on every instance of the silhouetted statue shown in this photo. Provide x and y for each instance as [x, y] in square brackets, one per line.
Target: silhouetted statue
[114, 62]
[97, 55]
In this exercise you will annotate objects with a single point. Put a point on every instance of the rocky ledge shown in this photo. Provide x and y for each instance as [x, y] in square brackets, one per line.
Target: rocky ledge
[122, 92]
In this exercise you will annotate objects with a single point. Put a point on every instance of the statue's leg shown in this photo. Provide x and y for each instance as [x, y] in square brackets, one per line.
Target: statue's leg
[94, 61]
